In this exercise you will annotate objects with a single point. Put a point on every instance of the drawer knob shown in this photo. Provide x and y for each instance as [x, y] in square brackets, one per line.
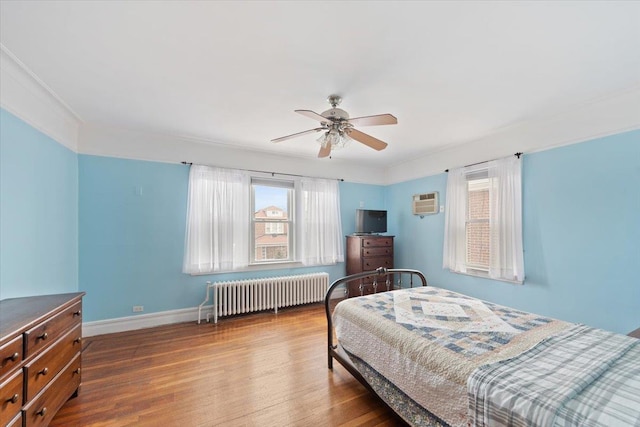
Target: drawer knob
[77, 313]
[77, 340]
[42, 412]
[43, 336]
[43, 371]
[14, 398]
[77, 371]
[13, 357]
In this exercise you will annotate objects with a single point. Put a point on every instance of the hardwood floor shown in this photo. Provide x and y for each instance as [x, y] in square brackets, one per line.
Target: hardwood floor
[256, 370]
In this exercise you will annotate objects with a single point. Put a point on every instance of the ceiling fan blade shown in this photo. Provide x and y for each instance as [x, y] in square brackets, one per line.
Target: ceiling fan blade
[380, 119]
[313, 115]
[294, 135]
[325, 150]
[367, 140]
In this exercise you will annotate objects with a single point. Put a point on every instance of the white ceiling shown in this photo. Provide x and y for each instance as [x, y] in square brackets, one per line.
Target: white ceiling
[233, 72]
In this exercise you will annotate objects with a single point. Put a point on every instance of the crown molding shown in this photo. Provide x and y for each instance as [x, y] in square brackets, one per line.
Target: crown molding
[23, 94]
[596, 119]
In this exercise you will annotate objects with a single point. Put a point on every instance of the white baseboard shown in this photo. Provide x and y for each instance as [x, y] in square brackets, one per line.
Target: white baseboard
[130, 323]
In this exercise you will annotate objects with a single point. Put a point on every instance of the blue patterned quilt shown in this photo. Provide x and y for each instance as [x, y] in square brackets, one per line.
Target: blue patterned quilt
[462, 324]
[427, 341]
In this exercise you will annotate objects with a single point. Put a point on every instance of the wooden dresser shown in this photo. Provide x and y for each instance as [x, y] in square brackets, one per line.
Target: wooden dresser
[40, 344]
[366, 253]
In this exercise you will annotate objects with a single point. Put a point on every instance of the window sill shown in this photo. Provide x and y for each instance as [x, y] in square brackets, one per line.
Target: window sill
[271, 265]
[262, 267]
[485, 275]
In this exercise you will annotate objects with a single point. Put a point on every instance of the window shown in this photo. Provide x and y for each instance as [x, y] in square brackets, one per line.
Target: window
[239, 221]
[477, 224]
[273, 228]
[483, 221]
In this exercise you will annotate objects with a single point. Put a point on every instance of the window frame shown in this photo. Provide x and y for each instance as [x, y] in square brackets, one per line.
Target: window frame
[289, 223]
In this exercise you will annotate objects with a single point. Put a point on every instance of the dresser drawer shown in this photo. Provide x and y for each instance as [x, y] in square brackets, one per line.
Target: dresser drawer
[10, 397]
[381, 282]
[377, 251]
[377, 241]
[354, 287]
[373, 263]
[357, 289]
[16, 422]
[38, 337]
[41, 410]
[43, 368]
[10, 355]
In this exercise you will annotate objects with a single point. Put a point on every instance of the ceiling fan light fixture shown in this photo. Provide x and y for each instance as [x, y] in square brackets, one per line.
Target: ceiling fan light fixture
[335, 138]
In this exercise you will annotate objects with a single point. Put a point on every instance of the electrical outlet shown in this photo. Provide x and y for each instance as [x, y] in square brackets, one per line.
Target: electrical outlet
[138, 308]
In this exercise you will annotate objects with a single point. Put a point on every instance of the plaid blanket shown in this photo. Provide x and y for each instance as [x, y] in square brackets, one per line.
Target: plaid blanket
[581, 377]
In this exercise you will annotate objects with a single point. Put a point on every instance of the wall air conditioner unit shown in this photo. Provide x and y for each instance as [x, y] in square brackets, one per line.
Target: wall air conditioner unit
[425, 204]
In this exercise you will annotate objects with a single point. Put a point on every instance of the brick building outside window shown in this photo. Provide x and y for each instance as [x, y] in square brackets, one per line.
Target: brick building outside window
[477, 226]
[271, 234]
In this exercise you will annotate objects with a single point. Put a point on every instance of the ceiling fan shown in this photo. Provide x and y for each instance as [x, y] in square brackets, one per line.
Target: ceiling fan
[339, 128]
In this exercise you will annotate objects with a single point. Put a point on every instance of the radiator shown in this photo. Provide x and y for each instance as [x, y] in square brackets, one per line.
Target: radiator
[245, 296]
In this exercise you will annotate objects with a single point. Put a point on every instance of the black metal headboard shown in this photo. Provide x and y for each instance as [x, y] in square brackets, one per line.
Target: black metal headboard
[401, 278]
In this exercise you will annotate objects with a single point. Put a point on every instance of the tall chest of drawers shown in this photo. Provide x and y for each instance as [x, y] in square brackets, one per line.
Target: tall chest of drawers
[366, 253]
[40, 352]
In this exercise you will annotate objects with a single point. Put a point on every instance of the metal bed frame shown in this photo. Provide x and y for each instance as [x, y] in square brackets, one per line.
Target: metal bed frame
[330, 299]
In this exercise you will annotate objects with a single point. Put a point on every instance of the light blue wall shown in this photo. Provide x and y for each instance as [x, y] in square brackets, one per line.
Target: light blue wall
[581, 219]
[358, 196]
[418, 242]
[132, 224]
[38, 212]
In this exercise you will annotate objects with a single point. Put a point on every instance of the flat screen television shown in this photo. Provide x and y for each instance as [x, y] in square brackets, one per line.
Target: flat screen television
[370, 221]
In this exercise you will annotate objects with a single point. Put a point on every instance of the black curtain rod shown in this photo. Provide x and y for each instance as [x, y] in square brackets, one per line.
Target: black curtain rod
[273, 173]
[479, 163]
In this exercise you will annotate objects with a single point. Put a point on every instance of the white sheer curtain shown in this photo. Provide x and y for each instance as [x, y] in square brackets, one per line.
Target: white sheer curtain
[506, 261]
[505, 222]
[217, 220]
[320, 227]
[455, 240]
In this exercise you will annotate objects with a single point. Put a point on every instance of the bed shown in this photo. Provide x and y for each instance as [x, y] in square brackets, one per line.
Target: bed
[440, 358]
